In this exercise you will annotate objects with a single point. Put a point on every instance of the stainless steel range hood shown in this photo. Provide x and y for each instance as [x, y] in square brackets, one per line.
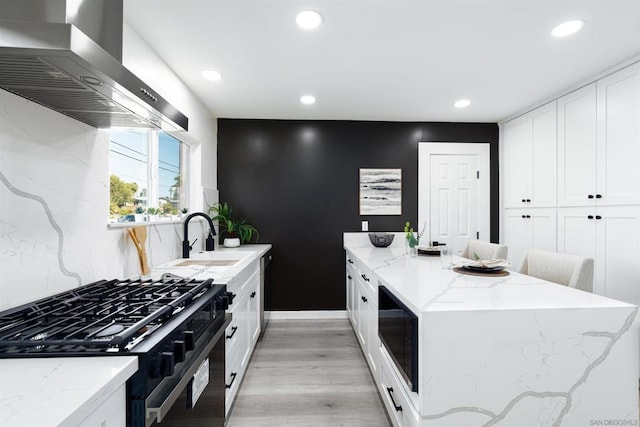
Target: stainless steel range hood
[67, 56]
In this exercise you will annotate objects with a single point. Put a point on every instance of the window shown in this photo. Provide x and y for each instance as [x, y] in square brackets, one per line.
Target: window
[149, 175]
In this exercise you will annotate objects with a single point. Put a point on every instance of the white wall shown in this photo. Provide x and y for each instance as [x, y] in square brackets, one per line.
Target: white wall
[54, 193]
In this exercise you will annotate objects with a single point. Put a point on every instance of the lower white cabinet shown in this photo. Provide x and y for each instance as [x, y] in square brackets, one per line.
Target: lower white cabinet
[532, 228]
[242, 333]
[350, 288]
[399, 405]
[365, 315]
[610, 235]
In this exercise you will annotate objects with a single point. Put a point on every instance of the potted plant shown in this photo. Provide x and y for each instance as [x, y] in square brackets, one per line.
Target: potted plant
[236, 230]
[139, 214]
[153, 213]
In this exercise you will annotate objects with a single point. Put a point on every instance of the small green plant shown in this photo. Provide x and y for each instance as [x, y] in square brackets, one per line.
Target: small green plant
[411, 236]
[153, 211]
[185, 210]
[476, 257]
[233, 227]
[139, 210]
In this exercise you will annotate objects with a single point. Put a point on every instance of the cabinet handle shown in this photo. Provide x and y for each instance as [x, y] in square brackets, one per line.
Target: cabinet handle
[393, 401]
[233, 378]
[590, 196]
[233, 332]
[349, 277]
[589, 216]
[524, 200]
[253, 294]
[349, 261]
[598, 196]
[528, 200]
[365, 277]
[598, 217]
[364, 299]
[524, 216]
[528, 216]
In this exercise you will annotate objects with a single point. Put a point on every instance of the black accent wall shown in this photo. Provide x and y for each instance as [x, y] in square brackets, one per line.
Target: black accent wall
[297, 182]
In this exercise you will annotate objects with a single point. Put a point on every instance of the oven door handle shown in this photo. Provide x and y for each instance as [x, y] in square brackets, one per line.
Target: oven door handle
[158, 412]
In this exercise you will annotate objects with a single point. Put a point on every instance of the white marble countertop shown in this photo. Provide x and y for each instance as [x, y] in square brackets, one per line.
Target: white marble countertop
[424, 286]
[58, 391]
[221, 275]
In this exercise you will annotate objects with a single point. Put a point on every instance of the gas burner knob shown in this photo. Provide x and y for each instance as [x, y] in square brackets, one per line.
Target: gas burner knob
[189, 341]
[230, 296]
[179, 350]
[221, 303]
[166, 364]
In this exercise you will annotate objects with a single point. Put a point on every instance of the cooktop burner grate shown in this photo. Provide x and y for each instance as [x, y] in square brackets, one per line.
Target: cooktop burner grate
[103, 316]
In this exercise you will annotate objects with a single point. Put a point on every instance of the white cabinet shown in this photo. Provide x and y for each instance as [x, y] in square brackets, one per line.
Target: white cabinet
[528, 146]
[577, 147]
[525, 229]
[610, 235]
[599, 142]
[350, 288]
[243, 331]
[618, 160]
[364, 288]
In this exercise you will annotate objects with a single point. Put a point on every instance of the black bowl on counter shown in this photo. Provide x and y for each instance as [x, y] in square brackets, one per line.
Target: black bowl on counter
[381, 240]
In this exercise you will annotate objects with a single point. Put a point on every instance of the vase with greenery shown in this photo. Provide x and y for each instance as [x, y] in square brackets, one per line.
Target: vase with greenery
[413, 239]
[153, 213]
[230, 227]
[139, 214]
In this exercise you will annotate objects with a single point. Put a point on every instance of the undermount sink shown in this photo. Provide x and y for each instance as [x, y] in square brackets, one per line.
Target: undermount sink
[212, 259]
[207, 263]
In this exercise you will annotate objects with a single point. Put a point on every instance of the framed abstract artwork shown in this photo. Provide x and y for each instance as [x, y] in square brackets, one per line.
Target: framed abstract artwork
[380, 191]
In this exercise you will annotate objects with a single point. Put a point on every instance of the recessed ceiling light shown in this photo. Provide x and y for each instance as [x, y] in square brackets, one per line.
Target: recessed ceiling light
[462, 103]
[308, 99]
[567, 28]
[211, 75]
[309, 19]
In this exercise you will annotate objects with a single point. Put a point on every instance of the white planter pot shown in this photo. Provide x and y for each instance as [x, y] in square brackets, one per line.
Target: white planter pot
[231, 242]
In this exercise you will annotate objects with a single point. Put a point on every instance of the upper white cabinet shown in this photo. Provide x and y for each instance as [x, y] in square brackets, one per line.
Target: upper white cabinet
[528, 145]
[618, 165]
[577, 147]
[599, 142]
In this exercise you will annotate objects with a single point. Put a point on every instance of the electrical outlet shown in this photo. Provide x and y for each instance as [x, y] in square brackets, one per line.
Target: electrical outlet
[365, 225]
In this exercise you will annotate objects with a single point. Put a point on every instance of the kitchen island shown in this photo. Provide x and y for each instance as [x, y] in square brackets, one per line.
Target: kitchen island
[511, 350]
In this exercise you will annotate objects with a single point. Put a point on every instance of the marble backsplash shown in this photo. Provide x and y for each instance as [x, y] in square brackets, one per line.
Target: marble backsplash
[54, 203]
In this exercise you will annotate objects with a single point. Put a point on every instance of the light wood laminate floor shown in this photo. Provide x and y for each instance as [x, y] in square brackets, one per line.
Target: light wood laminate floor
[308, 373]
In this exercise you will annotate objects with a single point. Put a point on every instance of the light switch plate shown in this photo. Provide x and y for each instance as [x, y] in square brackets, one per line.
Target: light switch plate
[365, 225]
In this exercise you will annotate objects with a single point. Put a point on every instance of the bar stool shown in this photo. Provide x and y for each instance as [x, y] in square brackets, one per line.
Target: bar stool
[569, 270]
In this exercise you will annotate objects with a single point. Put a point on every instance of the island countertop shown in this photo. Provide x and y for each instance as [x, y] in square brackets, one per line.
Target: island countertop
[423, 285]
[511, 350]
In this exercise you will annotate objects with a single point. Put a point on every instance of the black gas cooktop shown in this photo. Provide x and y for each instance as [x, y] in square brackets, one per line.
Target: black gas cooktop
[105, 316]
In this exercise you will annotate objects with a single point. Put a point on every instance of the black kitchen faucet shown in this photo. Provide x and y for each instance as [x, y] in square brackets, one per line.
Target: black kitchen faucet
[209, 244]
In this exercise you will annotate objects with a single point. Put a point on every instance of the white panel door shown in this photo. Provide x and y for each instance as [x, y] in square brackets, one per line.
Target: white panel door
[577, 147]
[543, 228]
[515, 146]
[454, 199]
[455, 206]
[618, 252]
[618, 166]
[543, 183]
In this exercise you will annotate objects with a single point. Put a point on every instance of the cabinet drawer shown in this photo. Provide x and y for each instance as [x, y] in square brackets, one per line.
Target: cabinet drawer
[368, 279]
[399, 406]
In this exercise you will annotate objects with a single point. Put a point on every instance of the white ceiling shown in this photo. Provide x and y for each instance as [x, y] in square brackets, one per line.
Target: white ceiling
[389, 60]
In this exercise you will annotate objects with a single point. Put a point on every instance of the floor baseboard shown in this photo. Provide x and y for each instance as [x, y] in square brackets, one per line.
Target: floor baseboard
[309, 314]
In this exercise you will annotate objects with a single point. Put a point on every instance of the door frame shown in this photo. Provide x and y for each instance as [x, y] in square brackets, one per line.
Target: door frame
[480, 149]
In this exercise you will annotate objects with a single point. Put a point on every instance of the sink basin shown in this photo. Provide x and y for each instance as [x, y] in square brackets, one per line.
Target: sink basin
[207, 263]
[213, 259]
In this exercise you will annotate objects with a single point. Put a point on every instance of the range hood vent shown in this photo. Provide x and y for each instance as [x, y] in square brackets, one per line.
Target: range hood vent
[58, 65]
